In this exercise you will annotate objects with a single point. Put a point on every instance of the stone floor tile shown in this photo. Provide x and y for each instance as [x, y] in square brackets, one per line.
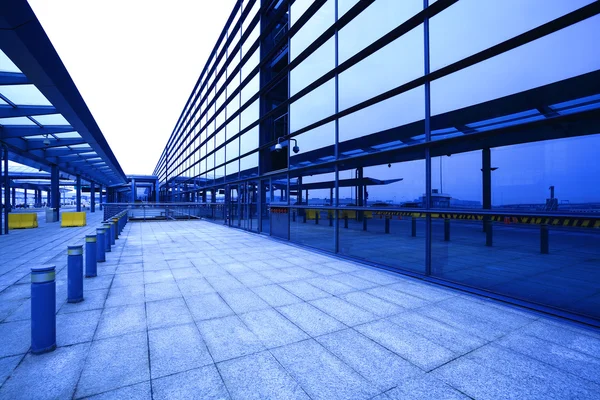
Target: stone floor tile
[243, 300]
[77, 327]
[164, 313]
[125, 295]
[16, 338]
[228, 338]
[203, 384]
[310, 319]
[161, 291]
[259, 376]
[272, 328]
[92, 300]
[322, 375]
[381, 367]
[377, 306]
[7, 365]
[139, 391]
[424, 387]
[47, 376]
[454, 339]
[118, 321]
[193, 286]
[408, 345]
[208, 306]
[113, 363]
[176, 349]
[276, 296]
[343, 311]
[305, 290]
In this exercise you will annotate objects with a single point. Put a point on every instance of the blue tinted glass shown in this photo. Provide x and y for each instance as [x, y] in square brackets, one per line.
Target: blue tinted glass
[316, 105]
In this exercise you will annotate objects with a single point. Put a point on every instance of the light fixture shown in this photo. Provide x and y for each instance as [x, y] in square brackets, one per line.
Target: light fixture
[46, 141]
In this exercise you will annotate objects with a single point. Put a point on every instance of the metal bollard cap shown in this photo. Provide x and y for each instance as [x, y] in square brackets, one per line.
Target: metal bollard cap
[43, 274]
[90, 238]
[100, 231]
[75, 250]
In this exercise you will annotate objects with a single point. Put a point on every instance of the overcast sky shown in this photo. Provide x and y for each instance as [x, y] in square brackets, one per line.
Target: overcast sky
[135, 63]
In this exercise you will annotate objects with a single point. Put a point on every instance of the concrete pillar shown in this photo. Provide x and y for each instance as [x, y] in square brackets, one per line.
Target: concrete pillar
[25, 196]
[78, 193]
[92, 197]
[156, 188]
[100, 195]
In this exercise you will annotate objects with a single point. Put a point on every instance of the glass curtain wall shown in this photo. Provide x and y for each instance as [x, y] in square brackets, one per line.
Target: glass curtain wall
[454, 140]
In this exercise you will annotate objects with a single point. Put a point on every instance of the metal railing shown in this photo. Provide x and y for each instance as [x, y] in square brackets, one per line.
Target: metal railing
[167, 211]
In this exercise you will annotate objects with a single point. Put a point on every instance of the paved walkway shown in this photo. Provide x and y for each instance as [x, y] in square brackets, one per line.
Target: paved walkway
[197, 310]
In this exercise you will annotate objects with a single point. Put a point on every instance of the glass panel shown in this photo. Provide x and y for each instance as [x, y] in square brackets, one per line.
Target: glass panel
[399, 62]
[249, 140]
[531, 256]
[308, 142]
[24, 95]
[519, 69]
[233, 149]
[381, 219]
[378, 19]
[313, 28]
[392, 123]
[249, 165]
[16, 121]
[317, 64]
[456, 181]
[250, 114]
[6, 64]
[456, 32]
[316, 105]
[53, 119]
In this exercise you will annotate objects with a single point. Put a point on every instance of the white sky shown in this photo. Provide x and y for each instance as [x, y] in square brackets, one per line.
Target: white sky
[135, 63]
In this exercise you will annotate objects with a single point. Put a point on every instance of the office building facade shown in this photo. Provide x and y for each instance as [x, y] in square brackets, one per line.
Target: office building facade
[452, 140]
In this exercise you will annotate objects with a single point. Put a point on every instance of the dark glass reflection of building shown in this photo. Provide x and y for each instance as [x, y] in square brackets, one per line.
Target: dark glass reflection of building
[419, 136]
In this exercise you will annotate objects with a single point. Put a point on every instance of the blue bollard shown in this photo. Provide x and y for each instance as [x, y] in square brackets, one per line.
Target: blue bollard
[75, 274]
[113, 234]
[91, 267]
[100, 247]
[116, 225]
[43, 309]
[106, 237]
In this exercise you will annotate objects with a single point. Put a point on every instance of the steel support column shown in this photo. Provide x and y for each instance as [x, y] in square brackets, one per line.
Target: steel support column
[54, 188]
[92, 197]
[486, 169]
[78, 193]
[133, 194]
[6, 190]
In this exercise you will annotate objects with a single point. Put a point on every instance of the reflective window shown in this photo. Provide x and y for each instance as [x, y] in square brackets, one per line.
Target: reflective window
[316, 105]
[469, 26]
[313, 28]
[317, 64]
[308, 142]
[378, 19]
[538, 63]
[249, 140]
[397, 111]
[250, 114]
[399, 62]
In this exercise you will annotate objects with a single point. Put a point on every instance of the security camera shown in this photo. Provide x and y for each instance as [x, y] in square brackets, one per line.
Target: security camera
[46, 142]
[296, 149]
[278, 147]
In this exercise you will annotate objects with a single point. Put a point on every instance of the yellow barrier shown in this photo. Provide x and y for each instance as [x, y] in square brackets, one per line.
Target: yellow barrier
[311, 214]
[70, 219]
[22, 221]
